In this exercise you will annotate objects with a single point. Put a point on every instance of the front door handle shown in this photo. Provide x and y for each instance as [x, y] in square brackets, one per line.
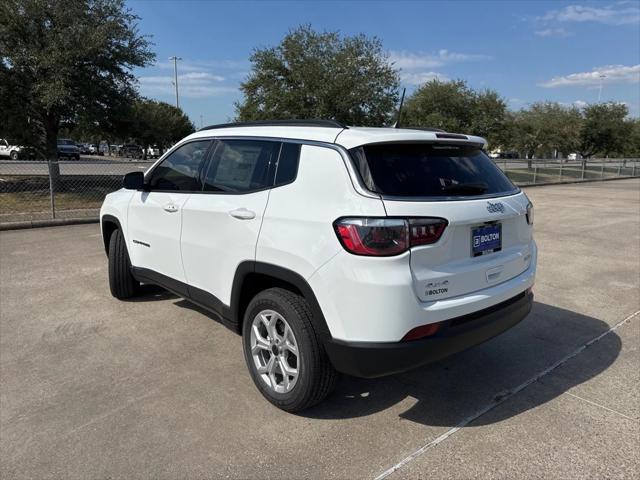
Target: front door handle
[170, 207]
[242, 214]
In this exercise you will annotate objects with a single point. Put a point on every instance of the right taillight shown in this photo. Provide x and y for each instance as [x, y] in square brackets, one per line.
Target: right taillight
[383, 237]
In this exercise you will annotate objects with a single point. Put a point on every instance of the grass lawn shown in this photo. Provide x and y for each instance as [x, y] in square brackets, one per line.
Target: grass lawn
[39, 201]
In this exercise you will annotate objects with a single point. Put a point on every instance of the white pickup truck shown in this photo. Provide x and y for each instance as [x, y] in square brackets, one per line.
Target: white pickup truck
[8, 150]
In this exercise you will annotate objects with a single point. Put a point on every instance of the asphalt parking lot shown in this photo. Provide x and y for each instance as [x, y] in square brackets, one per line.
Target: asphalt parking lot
[91, 387]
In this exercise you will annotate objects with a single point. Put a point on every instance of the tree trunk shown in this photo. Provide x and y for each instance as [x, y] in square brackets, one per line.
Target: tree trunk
[51, 126]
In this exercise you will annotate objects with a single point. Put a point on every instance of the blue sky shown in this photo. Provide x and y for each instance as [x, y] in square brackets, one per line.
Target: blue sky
[526, 50]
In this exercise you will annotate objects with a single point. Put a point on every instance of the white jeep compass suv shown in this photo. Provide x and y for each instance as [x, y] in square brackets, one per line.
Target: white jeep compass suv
[367, 251]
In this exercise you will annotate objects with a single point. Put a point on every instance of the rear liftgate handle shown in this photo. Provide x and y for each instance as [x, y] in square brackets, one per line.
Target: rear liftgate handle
[242, 214]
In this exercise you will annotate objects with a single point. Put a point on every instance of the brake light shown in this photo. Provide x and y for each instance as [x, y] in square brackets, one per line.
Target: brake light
[424, 231]
[383, 237]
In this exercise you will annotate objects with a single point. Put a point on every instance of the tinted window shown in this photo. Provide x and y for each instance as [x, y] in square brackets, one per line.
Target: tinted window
[427, 170]
[180, 170]
[287, 163]
[241, 165]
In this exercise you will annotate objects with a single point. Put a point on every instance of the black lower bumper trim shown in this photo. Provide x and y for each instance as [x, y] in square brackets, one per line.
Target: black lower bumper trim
[370, 360]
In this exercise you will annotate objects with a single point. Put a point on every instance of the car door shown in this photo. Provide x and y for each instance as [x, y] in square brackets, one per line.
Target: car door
[155, 215]
[221, 225]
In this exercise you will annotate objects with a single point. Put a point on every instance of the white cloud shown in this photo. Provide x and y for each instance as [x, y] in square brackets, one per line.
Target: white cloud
[411, 61]
[418, 78]
[552, 32]
[191, 85]
[617, 14]
[605, 75]
[417, 68]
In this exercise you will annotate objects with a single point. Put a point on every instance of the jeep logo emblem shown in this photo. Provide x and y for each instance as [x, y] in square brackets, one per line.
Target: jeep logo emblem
[497, 207]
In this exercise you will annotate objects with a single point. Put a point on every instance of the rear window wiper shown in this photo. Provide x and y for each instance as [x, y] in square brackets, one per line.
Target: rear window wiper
[476, 188]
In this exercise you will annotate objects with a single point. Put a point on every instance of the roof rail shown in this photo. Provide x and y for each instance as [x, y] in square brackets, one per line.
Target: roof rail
[280, 123]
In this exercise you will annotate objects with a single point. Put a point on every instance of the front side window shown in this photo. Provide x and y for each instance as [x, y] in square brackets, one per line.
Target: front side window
[180, 171]
[240, 166]
[429, 170]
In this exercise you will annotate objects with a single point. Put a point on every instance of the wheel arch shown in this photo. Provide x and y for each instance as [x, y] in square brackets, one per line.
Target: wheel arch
[252, 277]
[108, 224]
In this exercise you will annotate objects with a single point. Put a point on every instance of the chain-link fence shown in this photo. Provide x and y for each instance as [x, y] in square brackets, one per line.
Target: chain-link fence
[40, 190]
[542, 171]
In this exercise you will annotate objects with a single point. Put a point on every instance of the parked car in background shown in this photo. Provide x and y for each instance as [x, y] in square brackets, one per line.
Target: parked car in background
[68, 149]
[131, 150]
[153, 151]
[11, 150]
[84, 148]
[93, 149]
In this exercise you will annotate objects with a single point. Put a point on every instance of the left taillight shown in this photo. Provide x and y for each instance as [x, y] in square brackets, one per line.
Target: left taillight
[383, 237]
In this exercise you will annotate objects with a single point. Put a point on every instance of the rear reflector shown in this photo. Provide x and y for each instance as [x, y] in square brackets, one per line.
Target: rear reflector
[422, 332]
[383, 237]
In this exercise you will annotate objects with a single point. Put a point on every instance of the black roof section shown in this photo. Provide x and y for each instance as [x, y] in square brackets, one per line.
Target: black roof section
[280, 123]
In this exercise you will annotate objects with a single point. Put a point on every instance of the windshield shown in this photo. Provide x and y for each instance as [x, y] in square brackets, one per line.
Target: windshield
[429, 170]
[65, 142]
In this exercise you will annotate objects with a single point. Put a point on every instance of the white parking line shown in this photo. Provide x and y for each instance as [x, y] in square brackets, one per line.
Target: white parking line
[502, 399]
[601, 406]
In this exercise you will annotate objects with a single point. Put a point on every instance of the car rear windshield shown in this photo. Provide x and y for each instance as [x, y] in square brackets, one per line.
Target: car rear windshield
[429, 170]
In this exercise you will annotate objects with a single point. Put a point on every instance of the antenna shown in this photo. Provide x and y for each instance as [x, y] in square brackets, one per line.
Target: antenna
[397, 124]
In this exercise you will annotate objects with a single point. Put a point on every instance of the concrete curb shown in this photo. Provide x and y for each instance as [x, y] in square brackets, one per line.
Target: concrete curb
[58, 222]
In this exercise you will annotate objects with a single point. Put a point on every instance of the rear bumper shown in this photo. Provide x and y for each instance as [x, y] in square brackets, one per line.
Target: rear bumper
[376, 359]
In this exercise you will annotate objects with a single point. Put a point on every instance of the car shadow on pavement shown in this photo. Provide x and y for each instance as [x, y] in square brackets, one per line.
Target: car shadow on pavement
[446, 392]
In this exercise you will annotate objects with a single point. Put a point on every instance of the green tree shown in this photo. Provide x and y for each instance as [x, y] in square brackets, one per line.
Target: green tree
[545, 129]
[631, 147]
[71, 58]
[455, 107]
[605, 129]
[159, 123]
[321, 75]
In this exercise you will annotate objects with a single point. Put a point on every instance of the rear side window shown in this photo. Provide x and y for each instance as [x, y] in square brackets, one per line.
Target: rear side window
[287, 168]
[429, 170]
[180, 170]
[241, 166]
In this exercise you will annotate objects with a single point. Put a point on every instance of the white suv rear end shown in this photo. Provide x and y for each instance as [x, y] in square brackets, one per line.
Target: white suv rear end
[358, 250]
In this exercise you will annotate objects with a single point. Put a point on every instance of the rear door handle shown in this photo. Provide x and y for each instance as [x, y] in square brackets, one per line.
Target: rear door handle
[170, 207]
[242, 214]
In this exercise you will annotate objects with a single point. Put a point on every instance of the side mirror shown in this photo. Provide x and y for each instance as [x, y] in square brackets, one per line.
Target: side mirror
[133, 181]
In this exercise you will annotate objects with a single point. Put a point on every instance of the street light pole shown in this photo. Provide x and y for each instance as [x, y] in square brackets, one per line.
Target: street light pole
[602, 77]
[175, 76]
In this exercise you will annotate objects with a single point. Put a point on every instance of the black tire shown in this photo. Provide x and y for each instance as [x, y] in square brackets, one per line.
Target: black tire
[316, 375]
[121, 282]
[13, 155]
